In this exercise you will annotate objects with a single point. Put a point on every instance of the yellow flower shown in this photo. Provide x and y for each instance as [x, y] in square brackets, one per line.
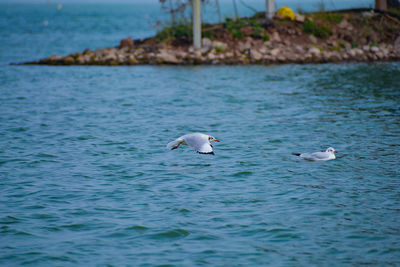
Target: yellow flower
[286, 12]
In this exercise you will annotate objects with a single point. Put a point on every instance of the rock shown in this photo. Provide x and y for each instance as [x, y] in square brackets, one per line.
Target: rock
[275, 37]
[111, 58]
[123, 50]
[122, 59]
[352, 53]
[128, 42]
[335, 56]
[167, 57]
[263, 50]
[211, 56]
[313, 39]
[380, 55]
[314, 51]
[87, 52]
[152, 58]
[181, 55]
[298, 48]
[205, 50]
[267, 58]
[94, 60]
[326, 55]
[76, 55]
[274, 52]
[332, 42]
[205, 42]
[139, 51]
[292, 57]
[365, 48]
[228, 54]
[54, 59]
[268, 44]
[374, 49]
[343, 24]
[109, 51]
[243, 46]
[81, 60]
[281, 58]
[397, 43]
[255, 55]
[300, 18]
[197, 54]
[219, 46]
[131, 60]
[359, 52]
[307, 57]
[221, 56]
[287, 42]
[368, 14]
[68, 60]
[206, 45]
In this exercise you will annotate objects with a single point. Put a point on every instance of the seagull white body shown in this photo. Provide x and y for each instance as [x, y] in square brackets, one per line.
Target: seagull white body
[319, 156]
[198, 141]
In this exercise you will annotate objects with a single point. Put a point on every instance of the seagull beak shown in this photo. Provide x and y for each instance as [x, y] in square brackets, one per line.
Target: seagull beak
[335, 151]
[216, 140]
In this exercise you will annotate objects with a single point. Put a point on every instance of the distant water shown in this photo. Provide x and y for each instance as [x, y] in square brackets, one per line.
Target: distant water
[86, 180]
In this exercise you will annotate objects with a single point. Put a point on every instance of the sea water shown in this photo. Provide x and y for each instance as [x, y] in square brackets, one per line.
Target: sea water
[86, 179]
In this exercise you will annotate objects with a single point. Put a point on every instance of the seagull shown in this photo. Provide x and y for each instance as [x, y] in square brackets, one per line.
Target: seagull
[319, 156]
[198, 141]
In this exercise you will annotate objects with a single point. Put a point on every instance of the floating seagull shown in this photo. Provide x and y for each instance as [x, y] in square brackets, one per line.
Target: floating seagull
[319, 156]
[198, 141]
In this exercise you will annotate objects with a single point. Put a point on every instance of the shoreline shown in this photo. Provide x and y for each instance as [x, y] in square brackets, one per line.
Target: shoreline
[322, 37]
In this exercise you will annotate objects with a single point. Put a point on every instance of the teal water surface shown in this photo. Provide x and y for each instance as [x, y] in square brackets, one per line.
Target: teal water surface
[86, 180]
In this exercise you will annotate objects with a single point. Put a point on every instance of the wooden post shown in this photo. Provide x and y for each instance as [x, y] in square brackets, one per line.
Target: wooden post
[219, 11]
[196, 24]
[270, 11]
[235, 9]
[381, 4]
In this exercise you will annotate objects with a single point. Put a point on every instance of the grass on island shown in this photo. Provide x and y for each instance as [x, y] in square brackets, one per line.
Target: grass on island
[318, 24]
[235, 27]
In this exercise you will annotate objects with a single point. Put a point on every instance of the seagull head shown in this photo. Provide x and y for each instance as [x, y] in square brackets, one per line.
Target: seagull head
[331, 150]
[212, 138]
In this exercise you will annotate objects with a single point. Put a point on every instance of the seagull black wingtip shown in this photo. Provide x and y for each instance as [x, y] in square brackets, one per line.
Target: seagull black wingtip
[211, 153]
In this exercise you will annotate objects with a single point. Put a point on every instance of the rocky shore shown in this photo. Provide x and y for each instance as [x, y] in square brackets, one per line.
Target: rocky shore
[361, 36]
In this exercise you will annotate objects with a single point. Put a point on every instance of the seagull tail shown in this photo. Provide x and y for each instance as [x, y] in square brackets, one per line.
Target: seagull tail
[174, 143]
[296, 154]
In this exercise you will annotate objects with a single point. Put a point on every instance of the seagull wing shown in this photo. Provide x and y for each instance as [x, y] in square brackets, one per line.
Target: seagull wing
[320, 155]
[315, 156]
[206, 148]
[199, 143]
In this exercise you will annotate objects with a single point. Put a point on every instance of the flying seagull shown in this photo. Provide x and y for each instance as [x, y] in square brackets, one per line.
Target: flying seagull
[198, 141]
[319, 156]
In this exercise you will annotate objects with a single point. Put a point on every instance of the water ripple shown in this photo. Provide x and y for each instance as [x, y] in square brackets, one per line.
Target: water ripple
[86, 178]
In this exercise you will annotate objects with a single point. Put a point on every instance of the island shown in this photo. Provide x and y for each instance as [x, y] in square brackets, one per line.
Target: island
[356, 35]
